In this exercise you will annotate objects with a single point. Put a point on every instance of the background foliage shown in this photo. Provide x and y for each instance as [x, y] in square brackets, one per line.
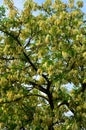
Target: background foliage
[42, 55]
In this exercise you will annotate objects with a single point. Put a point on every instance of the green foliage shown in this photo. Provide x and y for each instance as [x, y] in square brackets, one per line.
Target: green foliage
[40, 55]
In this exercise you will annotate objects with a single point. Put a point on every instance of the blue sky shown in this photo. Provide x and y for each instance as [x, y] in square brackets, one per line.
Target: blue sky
[19, 3]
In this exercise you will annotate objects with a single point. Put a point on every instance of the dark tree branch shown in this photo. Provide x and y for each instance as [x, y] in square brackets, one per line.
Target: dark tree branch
[19, 43]
[20, 98]
[68, 105]
[22, 128]
[7, 59]
[26, 56]
[39, 87]
[83, 87]
[50, 97]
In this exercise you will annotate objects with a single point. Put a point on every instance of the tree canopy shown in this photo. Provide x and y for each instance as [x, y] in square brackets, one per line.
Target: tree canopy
[43, 66]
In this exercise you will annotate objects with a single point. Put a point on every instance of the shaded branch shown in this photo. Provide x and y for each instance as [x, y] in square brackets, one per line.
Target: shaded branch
[83, 87]
[5, 58]
[50, 100]
[26, 56]
[20, 98]
[19, 43]
[22, 128]
[67, 104]
[39, 87]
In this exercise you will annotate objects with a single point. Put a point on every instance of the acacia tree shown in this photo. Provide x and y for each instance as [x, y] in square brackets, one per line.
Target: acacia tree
[42, 51]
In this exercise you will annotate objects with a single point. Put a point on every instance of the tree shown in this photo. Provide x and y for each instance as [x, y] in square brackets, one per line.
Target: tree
[42, 53]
